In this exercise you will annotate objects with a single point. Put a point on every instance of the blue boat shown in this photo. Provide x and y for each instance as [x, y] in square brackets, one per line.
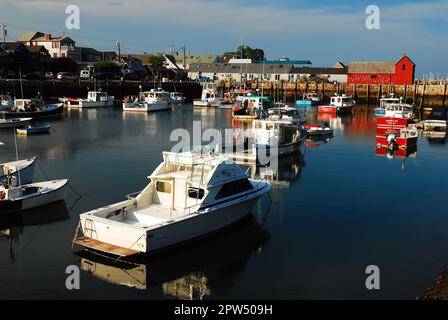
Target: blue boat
[309, 99]
[30, 130]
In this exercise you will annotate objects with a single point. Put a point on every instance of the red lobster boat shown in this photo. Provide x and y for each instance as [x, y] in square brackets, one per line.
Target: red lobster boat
[338, 104]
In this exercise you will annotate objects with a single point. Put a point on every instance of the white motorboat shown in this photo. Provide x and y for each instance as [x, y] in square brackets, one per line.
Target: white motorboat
[12, 169]
[96, 99]
[209, 98]
[338, 104]
[381, 110]
[437, 120]
[30, 196]
[14, 122]
[177, 97]
[154, 100]
[286, 113]
[190, 195]
[318, 130]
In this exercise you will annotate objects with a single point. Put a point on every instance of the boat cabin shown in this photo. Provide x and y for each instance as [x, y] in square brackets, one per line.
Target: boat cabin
[399, 110]
[342, 101]
[97, 96]
[29, 105]
[285, 113]
[311, 96]
[280, 132]
[154, 95]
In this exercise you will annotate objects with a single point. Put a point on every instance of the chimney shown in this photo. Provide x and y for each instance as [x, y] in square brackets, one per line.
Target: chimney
[48, 36]
[404, 54]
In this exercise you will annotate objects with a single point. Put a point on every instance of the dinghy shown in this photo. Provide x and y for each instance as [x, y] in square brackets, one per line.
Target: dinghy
[191, 194]
[30, 130]
[30, 196]
[24, 167]
[14, 123]
[317, 130]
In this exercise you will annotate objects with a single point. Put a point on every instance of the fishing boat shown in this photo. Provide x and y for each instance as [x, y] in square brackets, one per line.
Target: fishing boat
[286, 113]
[96, 99]
[209, 96]
[404, 138]
[338, 104]
[396, 116]
[70, 102]
[33, 108]
[154, 100]
[191, 195]
[251, 107]
[14, 122]
[6, 102]
[309, 99]
[381, 110]
[177, 97]
[30, 196]
[318, 130]
[437, 120]
[31, 130]
[24, 168]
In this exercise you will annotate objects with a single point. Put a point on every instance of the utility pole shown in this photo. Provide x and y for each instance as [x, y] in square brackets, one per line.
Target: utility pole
[5, 32]
[119, 44]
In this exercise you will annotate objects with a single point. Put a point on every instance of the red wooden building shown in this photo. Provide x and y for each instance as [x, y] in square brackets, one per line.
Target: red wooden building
[384, 72]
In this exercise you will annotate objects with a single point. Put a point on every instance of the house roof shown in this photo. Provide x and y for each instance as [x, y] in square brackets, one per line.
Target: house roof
[371, 67]
[91, 51]
[57, 39]
[171, 59]
[12, 46]
[315, 70]
[36, 49]
[30, 35]
[196, 59]
[240, 68]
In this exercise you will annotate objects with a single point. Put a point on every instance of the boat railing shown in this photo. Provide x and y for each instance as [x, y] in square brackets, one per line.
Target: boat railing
[133, 195]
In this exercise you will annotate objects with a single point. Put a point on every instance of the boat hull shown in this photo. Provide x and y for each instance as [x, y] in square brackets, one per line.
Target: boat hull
[53, 112]
[392, 123]
[400, 142]
[32, 131]
[26, 174]
[334, 109]
[14, 123]
[208, 220]
[95, 104]
[307, 103]
[34, 201]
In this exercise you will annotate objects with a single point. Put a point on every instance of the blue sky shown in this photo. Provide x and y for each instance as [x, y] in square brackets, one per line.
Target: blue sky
[322, 31]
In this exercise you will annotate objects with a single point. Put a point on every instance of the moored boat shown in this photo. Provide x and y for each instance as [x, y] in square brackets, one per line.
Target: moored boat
[318, 130]
[31, 130]
[191, 195]
[14, 122]
[153, 100]
[437, 120]
[24, 168]
[96, 99]
[33, 108]
[30, 196]
[209, 96]
[404, 138]
[251, 107]
[309, 99]
[177, 97]
[396, 116]
[338, 104]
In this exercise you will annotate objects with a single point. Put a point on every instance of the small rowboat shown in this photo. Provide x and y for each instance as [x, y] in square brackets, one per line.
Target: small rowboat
[30, 130]
[317, 130]
[13, 123]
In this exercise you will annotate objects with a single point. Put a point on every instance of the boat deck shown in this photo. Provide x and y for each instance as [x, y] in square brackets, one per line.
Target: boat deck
[152, 215]
[104, 247]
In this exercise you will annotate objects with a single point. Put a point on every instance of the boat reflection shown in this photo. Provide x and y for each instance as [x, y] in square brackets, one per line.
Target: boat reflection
[12, 225]
[186, 272]
[286, 173]
[435, 137]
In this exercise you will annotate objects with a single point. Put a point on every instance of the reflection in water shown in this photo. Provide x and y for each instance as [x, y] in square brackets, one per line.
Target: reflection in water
[186, 272]
[287, 172]
[410, 152]
[12, 225]
[435, 137]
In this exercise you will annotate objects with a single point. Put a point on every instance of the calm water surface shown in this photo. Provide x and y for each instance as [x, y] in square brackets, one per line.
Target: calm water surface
[336, 209]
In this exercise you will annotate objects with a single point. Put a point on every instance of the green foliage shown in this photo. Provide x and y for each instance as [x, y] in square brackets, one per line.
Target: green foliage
[156, 60]
[249, 53]
[107, 67]
[64, 65]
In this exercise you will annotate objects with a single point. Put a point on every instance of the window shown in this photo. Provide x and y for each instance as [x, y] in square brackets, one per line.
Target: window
[277, 77]
[373, 76]
[196, 193]
[403, 67]
[163, 186]
[234, 187]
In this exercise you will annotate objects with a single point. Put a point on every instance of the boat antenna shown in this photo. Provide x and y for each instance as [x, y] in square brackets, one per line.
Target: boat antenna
[20, 78]
[17, 154]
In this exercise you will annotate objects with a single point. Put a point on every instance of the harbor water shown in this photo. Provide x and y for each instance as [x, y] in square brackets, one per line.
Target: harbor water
[336, 208]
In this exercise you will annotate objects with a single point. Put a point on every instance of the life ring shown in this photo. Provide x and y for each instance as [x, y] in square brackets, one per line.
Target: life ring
[412, 133]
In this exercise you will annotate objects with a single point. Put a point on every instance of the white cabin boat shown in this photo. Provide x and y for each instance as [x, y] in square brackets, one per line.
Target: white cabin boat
[30, 196]
[338, 104]
[437, 120]
[399, 110]
[12, 169]
[177, 97]
[96, 99]
[14, 122]
[153, 100]
[286, 113]
[209, 98]
[190, 195]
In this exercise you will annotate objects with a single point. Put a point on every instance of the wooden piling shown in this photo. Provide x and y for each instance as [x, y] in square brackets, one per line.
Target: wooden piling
[405, 93]
[444, 94]
[368, 94]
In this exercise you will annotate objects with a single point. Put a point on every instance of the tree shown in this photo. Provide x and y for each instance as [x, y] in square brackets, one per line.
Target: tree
[156, 59]
[248, 53]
